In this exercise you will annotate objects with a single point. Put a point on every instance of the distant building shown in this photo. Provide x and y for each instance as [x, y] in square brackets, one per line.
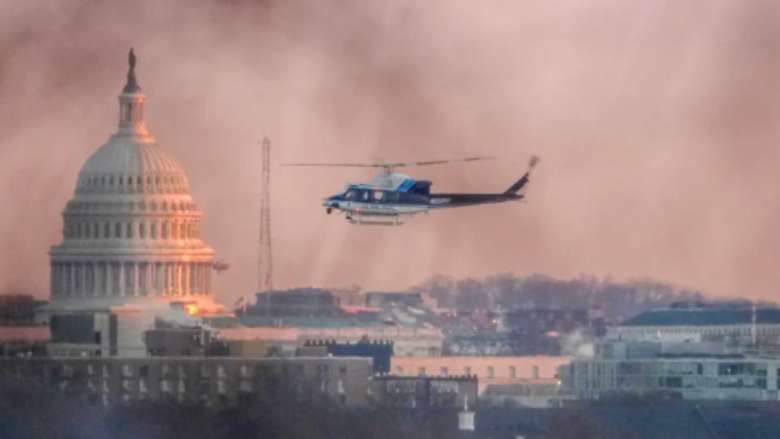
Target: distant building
[756, 331]
[294, 302]
[380, 299]
[293, 332]
[424, 391]
[219, 382]
[18, 309]
[380, 351]
[695, 371]
[489, 370]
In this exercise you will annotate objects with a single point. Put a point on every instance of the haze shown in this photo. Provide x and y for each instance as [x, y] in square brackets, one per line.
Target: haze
[656, 123]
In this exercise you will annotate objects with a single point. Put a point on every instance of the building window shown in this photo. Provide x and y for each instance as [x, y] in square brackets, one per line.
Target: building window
[490, 372]
[164, 230]
[422, 371]
[142, 230]
[117, 230]
[512, 372]
[399, 370]
[174, 231]
[121, 181]
[129, 181]
[467, 371]
[444, 372]
[154, 231]
[129, 231]
[343, 370]
[535, 371]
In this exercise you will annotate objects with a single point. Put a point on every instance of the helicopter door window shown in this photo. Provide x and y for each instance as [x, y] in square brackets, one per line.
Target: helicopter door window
[363, 195]
[379, 196]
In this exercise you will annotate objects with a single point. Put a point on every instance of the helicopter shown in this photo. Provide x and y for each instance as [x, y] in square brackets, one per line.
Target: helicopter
[391, 195]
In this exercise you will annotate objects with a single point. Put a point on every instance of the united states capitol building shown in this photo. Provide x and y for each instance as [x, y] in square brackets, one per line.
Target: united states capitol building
[131, 247]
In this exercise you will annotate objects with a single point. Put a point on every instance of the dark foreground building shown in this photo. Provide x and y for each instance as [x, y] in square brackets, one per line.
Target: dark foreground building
[214, 381]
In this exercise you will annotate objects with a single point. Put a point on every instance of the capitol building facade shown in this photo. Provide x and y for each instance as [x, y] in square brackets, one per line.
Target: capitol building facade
[131, 245]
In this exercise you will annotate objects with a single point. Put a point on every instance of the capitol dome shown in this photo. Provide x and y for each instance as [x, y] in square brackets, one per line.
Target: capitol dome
[131, 233]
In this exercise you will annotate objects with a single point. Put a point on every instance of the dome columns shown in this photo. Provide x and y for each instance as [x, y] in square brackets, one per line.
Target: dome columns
[130, 278]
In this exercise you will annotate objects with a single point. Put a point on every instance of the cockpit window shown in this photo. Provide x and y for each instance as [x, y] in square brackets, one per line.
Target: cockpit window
[351, 194]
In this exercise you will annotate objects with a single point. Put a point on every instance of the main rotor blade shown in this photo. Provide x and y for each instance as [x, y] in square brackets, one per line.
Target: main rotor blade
[352, 165]
[438, 162]
[383, 163]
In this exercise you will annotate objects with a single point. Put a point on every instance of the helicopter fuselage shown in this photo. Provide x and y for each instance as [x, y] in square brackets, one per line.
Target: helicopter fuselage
[405, 198]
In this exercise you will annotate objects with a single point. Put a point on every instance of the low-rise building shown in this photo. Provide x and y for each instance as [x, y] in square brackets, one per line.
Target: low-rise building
[214, 381]
[424, 391]
[489, 370]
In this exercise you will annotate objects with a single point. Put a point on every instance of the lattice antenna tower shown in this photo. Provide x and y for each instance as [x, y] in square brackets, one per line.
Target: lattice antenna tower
[266, 268]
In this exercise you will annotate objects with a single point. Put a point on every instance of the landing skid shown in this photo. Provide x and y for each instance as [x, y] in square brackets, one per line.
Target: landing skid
[369, 222]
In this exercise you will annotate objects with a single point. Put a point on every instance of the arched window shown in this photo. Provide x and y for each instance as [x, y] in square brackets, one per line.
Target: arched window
[164, 230]
[106, 230]
[129, 231]
[181, 231]
[174, 231]
[154, 230]
[142, 231]
[117, 230]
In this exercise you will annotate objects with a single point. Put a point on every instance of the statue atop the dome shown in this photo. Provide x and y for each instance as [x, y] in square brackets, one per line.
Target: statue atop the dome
[132, 85]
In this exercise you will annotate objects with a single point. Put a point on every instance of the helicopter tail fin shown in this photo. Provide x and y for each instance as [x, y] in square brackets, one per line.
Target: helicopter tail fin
[519, 184]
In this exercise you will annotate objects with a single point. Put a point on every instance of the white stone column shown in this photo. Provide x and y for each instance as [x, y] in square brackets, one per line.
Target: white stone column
[83, 278]
[208, 282]
[65, 279]
[177, 278]
[96, 281]
[189, 283]
[109, 281]
[72, 279]
[149, 279]
[135, 278]
[200, 277]
[122, 281]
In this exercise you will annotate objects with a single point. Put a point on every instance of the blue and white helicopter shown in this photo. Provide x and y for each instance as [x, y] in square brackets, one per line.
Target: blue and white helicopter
[391, 195]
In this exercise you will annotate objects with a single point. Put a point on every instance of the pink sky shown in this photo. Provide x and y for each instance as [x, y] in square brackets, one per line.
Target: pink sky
[656, 123]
